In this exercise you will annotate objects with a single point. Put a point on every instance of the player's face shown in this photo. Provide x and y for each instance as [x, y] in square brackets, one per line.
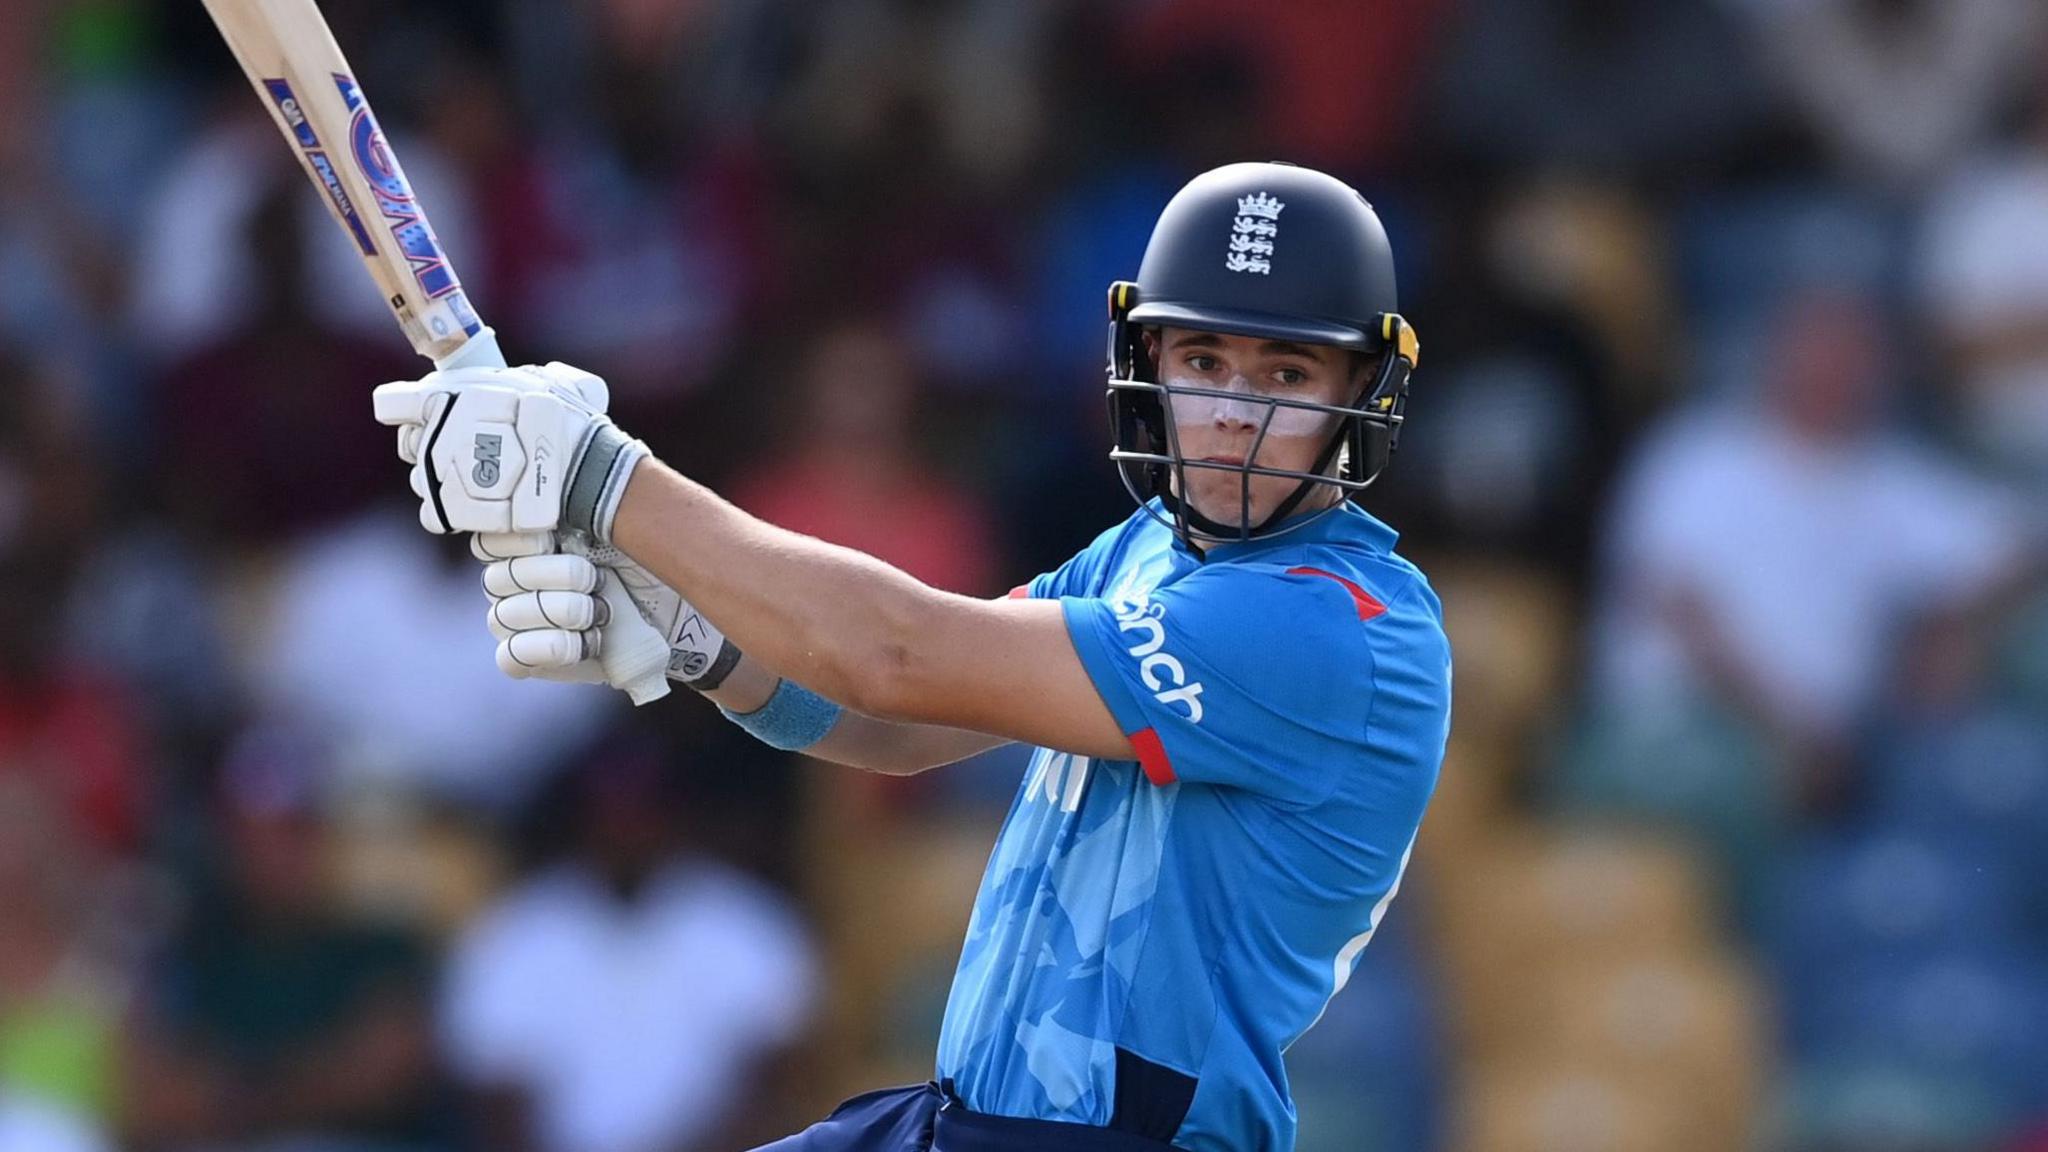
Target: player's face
[1225, 429]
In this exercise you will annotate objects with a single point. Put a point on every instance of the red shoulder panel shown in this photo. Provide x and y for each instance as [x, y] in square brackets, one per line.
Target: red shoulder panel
[1367, 606]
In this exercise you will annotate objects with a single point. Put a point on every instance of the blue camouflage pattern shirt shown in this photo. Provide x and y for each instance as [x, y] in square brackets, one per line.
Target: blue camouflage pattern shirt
[1151, 935]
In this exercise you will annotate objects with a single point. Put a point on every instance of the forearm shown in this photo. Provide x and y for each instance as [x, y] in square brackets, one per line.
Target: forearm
[747, 687]
[898, 749]
[858, 741]
[834, 620]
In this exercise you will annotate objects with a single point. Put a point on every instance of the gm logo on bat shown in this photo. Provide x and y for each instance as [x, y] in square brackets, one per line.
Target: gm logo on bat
[395, 197]
[323, 166]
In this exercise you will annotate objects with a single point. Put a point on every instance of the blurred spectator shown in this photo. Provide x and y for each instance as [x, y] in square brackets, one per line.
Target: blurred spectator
[1620, 89]
[118, 638]
[60, 274]
[50, 487]
[632, 997]
[111, 126]
[1768, 550]
[1527, 366]
[235, 246]
[34, 1127]
[19, 25]
[1336, 81]
[145, 607]
[372, 634]
[1984, 279]
[968, 70]
[264, 427]
[60, 988]
[63, 723]
[852, 473]
[1898, 90]
[279, 1022]
[632, 223]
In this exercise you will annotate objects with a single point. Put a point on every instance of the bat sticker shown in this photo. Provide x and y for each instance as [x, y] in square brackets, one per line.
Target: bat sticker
[395, 197]
[323, 166]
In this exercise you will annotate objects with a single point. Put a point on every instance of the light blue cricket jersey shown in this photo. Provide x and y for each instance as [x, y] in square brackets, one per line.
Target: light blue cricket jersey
[1150, 936]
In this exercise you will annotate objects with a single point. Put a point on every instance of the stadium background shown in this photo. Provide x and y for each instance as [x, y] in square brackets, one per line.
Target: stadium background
[1727, 456]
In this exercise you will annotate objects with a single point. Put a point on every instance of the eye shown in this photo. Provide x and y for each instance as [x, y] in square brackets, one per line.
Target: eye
[1203, 362]
[1291, 377]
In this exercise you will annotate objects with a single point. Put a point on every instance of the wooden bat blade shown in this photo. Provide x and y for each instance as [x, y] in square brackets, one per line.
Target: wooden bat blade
[293, 62]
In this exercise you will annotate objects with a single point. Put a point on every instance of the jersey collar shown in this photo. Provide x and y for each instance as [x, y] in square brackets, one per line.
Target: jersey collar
[1346, 523]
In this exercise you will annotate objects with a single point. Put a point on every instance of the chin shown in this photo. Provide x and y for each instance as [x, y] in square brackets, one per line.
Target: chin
[1225, 510]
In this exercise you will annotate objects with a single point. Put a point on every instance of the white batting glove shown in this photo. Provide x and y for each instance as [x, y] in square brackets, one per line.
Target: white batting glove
[555, 632]
[572, 615]
[511, 450]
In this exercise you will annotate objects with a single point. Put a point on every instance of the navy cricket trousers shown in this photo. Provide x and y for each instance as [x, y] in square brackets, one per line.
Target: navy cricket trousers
[926, 1118]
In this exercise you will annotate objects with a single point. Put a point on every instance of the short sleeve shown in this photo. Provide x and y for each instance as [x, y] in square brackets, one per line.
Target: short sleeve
[1043, 586]
[1259, 679]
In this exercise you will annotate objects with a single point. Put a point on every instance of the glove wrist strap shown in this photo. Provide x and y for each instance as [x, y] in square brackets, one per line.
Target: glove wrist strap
[598, 483]
[709, 679]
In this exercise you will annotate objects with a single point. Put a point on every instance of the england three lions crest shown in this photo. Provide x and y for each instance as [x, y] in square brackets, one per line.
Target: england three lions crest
[1251, 235]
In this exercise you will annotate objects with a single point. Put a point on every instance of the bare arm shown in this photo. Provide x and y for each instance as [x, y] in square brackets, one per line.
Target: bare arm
[860, 741]
[863, 634]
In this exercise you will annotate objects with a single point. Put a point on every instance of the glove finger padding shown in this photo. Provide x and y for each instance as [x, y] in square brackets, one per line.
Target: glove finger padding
[586, 672]
[590, 389]
[526, 654]
[490, 546]
[557, 573]
[542, 611]
[405, 401]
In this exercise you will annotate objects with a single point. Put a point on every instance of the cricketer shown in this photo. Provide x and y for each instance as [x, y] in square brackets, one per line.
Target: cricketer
[1238, 697]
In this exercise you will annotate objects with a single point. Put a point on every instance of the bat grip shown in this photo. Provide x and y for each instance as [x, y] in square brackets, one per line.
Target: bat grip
[479, 351]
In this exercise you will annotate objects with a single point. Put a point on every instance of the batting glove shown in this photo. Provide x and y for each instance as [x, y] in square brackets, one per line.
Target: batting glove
[590, 615]
[512, 450]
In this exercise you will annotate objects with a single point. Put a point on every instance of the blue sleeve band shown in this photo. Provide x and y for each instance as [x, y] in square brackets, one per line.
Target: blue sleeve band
[793, 719]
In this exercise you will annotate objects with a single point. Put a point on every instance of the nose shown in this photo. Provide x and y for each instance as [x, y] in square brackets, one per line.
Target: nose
[1237, 411]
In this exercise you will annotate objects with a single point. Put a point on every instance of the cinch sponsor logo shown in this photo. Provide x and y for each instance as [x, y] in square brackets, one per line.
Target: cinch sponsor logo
[1162, 672]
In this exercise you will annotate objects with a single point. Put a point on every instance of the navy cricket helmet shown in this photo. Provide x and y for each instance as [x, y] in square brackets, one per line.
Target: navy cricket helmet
[1266, 250]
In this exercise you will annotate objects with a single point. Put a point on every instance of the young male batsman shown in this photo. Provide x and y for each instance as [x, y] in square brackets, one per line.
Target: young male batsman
[1238, 697]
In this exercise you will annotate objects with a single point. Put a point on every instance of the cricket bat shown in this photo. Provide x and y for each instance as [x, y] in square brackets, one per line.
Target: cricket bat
[299, 73]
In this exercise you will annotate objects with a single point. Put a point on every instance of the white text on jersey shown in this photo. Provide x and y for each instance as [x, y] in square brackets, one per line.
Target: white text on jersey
[1161, 671]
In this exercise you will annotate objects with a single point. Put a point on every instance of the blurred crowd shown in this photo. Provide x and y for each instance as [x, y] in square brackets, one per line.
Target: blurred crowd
[1728, 452]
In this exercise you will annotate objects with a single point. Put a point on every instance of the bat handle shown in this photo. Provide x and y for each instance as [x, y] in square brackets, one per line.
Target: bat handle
[479, 351]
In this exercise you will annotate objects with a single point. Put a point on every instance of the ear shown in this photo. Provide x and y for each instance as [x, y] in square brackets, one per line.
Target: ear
[1365, 370]
[1154, 344]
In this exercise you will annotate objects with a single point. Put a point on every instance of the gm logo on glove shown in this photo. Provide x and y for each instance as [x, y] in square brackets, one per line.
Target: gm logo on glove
[489, 448]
